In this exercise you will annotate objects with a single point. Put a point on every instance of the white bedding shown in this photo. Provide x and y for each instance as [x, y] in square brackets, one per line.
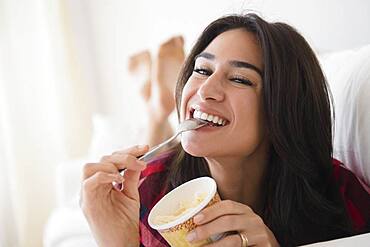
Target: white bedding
[348, 74]
[355, 241]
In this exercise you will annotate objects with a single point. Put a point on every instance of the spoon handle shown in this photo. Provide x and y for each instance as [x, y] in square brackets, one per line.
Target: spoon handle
[155, 150]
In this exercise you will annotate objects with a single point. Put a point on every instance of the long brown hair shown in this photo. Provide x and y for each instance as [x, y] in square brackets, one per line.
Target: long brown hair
[302, 203]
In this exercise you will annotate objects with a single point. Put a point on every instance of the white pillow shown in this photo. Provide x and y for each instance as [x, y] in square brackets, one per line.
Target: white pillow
[348, 74]
[112, 133]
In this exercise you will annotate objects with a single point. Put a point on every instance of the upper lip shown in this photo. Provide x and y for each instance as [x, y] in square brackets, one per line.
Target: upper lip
[207, 110]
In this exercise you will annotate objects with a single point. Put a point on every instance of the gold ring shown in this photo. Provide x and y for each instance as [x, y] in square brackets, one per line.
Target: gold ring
[244, 239]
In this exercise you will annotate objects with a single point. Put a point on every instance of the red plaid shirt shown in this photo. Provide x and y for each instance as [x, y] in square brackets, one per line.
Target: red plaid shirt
[152, 189]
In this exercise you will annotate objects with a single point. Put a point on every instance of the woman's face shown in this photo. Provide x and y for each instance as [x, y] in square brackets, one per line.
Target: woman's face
[225, 87]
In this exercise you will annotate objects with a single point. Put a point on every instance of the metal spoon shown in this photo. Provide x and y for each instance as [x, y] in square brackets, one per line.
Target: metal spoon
[189, 124]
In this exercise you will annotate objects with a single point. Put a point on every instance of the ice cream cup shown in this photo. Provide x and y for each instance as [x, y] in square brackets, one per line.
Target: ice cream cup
[176, 230]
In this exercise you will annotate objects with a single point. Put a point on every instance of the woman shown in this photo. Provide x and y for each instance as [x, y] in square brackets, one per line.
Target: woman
[269, 149]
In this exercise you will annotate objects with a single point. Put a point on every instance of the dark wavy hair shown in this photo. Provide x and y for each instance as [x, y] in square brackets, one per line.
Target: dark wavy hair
[303, 204]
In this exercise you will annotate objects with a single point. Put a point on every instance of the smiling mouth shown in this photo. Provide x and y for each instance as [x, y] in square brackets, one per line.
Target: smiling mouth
[214, 121]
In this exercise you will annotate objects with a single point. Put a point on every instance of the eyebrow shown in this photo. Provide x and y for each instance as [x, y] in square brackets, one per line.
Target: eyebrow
[233, 63]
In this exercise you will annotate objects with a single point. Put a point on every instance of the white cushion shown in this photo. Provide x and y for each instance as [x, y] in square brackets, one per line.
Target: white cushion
[67, 227]
[348, 74]
[112, 133]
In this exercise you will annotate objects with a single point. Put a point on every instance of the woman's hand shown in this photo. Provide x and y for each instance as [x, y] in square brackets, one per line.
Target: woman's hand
[113, 215]
[229, 216]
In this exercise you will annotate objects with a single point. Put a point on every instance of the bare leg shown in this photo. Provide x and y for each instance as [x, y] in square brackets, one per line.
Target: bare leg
[159, 87]
[141, 63]
[166, 68]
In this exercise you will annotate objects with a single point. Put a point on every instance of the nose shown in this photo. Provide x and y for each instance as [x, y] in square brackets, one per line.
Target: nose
[212, 89]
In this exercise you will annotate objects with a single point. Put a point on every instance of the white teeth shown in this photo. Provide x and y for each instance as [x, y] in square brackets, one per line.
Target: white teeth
[204, 116]
[197, 114]
[210, 118]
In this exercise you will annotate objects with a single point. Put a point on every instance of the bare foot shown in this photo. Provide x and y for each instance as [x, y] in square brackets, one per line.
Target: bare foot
[165, 73]
[141, 64]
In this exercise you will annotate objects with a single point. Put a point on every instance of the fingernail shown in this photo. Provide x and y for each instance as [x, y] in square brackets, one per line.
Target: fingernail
[119, 181]
[141, 146]
[191, 236]
[117, 186]
[198, 218]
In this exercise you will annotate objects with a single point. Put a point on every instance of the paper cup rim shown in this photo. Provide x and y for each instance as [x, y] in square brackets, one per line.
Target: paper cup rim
[183, 218]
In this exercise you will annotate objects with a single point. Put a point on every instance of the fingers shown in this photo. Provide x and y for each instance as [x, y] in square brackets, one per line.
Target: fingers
[107, 171]
[118, 160]
[225, 216]
[101, 178]
[127, 159]
[91, 168]
[254, 239]
[253, 227]
[130, 184]
[226, 223]
[122, 161]
[135, 150]
[224, 207]
[230, 240]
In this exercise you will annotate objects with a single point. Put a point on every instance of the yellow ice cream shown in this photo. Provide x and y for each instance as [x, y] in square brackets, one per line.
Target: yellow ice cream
[183, 208]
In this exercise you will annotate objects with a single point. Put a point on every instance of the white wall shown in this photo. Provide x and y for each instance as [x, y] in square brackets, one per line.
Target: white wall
[331, 24]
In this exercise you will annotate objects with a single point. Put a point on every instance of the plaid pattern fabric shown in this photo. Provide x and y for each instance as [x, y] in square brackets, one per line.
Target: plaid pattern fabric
[152, 189]
[355, 195]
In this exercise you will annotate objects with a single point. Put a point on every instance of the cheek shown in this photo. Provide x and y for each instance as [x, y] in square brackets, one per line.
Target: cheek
[249, 129]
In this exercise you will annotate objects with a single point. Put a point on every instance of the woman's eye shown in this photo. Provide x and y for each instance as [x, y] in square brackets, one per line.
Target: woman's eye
[202, 71]
[242, 81]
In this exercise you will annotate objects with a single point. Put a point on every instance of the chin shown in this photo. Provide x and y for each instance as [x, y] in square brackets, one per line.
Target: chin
[193, 148]
[190, 149]
[196, 149]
